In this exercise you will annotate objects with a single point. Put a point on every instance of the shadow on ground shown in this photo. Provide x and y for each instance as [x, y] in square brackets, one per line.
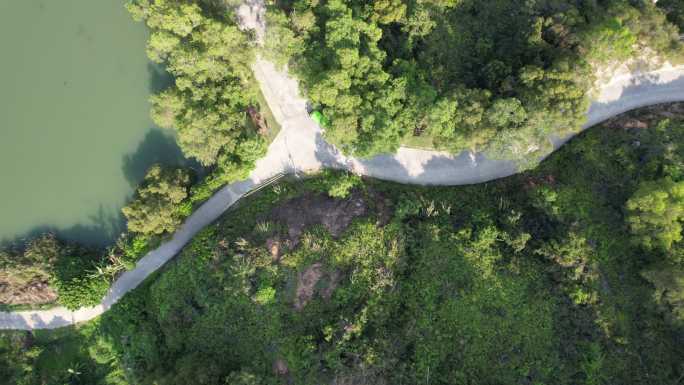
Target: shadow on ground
[464, 168]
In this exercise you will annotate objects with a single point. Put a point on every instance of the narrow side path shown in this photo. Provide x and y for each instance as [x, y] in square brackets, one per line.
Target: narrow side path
[300, 147]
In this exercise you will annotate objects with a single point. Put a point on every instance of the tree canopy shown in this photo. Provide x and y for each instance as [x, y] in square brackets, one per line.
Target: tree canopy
[497, 75]
[154, 210]
[656, 213]
[675, 12]
[209, 58]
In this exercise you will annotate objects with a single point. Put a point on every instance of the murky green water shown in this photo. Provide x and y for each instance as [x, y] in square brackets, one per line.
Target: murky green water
[75, 133]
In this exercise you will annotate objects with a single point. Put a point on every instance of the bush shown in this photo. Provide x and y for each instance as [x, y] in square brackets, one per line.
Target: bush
[337, 184]
[669, 294]
[82, 291]
[43, 250]
[656, 211]
[134, 248]
[242, 378]
[77, 281]
[155, 207]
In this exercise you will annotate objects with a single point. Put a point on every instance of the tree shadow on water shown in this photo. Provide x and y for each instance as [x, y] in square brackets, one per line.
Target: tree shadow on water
[158, 146]
[159, 78]
[100, 229]
[103, 227]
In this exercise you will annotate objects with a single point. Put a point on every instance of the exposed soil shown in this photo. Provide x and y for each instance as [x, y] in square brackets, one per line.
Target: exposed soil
[306, 284]
[35, 292]
[313, 209]
[280, 367]
[315, 280]
[317, 209]
[384, 209]
[333, 279]
[273, 245]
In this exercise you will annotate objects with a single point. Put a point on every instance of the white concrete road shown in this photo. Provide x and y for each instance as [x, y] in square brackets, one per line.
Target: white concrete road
[300, 147]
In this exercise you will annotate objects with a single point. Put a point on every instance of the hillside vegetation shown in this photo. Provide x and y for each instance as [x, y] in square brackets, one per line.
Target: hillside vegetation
[568, 274]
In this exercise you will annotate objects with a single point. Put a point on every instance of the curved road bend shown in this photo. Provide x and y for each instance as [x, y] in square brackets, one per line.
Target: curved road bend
[300, 147]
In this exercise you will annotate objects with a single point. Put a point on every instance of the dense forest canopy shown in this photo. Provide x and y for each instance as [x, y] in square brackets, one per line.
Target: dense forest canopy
[208, 57]
[560, 275]
[496, 75]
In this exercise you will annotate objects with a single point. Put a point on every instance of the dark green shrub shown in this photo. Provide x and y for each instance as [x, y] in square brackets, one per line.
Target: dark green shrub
[77, 280]
[134, 248]
[81, 291]
[155, 207]
[337, 184]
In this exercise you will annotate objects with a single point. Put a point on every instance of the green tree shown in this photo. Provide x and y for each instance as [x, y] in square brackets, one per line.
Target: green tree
[669, 284]
[656, 211]
[18, 358]
[459, 120]
[209, 58]
[675, 12]
[493, 75]
[154, 210]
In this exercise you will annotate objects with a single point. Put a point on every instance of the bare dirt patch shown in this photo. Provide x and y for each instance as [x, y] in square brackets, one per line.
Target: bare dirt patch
[310, 209]
[280, 367]
[273, 245]
[334, 279]
[313, 209]
[383, 206]
[314, 280]
[33, 292]
[306, 285]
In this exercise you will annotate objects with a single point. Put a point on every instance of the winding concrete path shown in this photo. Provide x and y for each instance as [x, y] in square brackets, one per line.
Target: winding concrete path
[300, 147]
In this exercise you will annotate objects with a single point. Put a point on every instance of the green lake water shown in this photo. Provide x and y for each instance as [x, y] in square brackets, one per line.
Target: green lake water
[75, 132]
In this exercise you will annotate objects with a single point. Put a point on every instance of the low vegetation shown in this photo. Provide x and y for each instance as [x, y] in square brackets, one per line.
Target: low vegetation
[496, 75]
[74, 356]
[45, 270]
[554, 276]
[563, 275]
